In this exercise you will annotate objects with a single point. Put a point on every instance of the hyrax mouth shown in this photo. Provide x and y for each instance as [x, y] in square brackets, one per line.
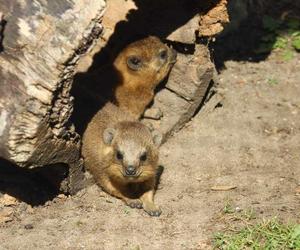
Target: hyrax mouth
[131, 176]
[131, 172]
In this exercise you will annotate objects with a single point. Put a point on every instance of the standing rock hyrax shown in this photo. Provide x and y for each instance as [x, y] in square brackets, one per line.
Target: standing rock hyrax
[122, 155]
[131, 79]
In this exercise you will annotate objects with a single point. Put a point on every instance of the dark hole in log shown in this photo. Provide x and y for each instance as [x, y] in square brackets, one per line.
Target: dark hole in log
[152, 17]
[2, 27]
[33, 186]
[183, 48]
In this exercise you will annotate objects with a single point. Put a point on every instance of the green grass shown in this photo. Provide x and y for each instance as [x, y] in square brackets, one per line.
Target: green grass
[281, 35]
[267, 235]
[126, 210]
[272, 81]
[237, 213]
[228, 208]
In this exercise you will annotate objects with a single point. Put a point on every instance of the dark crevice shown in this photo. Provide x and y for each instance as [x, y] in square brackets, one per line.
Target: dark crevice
[210, 92]
[2, 28]
[183, 48]
[178, 95]
[33, 186]
[219, 105]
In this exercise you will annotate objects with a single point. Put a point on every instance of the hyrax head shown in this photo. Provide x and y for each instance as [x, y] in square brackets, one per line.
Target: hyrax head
[148, 59]
[134, 153]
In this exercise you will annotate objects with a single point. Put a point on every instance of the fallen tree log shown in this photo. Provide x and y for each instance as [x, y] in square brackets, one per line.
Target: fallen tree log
[41, 43]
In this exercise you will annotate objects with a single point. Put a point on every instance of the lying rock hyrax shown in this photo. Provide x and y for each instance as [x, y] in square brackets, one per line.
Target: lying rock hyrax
[135, 73]
[122, 155]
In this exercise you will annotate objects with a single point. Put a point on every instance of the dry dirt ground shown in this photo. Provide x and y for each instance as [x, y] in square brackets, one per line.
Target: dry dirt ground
[251, 140]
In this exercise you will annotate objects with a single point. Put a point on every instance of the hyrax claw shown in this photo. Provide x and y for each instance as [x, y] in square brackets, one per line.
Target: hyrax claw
[156, 212]
[134, 203]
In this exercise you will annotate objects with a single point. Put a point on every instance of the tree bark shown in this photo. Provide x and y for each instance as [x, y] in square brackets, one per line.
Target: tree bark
[41, 43]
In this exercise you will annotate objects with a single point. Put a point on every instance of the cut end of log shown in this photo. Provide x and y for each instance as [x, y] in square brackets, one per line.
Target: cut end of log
[41, 48]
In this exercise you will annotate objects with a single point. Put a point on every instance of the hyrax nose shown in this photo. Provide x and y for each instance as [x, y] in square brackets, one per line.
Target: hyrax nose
[130, 170]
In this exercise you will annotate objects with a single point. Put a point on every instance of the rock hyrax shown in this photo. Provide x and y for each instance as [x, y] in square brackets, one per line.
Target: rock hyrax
[135, 73]
[122, 155]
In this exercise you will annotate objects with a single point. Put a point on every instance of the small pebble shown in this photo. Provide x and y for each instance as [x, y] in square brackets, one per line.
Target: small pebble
[28, 226]
[238, 209]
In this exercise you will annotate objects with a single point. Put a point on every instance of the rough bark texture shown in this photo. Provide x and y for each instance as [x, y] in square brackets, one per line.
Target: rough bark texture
[214, 20]
[42, 41]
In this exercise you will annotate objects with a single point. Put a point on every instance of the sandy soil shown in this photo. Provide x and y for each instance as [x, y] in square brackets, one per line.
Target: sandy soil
[250, 140]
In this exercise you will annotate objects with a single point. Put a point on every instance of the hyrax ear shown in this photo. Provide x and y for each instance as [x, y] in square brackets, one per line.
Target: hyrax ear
[108, 135]
[157, 137]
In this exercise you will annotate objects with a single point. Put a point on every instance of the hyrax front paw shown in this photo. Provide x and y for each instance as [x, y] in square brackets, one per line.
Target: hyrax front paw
[152, 210]
[134, 203]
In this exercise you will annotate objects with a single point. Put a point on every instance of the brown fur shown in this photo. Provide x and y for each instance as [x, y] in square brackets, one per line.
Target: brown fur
[132, 138]
[133, 90]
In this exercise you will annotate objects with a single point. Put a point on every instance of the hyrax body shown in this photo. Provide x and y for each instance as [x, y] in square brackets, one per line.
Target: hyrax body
[135, 73]
[122, 155]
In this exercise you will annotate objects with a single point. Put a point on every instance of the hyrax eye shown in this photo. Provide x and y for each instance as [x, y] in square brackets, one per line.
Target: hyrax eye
[163, 54]
[119, 155]
[134, 62]
[143, 157]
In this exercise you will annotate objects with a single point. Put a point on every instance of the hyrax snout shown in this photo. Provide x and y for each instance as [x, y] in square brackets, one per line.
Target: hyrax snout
[122, 155]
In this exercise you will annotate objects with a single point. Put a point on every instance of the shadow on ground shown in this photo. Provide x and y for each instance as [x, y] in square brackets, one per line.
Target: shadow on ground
[33, 186]
[253, 38]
